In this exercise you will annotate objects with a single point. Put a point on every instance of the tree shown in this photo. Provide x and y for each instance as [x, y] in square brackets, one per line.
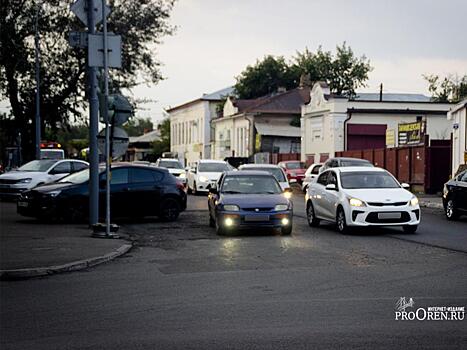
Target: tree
[343, 71]
[163, 145]
[142, 24]
[138, 126]
[447, 89]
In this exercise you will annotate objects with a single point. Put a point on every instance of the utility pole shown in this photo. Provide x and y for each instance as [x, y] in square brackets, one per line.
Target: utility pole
[93, 130]
[37, 121]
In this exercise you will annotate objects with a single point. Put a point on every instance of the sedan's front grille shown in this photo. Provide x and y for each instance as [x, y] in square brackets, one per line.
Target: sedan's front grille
[258, 209]
[381, 204]
[373, 219]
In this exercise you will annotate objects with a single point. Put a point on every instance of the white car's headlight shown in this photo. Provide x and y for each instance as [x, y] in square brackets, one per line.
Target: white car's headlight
[25, 181]
[203, 178]
[54, 193]
[281, 207]
[231, 207]
[414, 201]
[354, 202]
[182, 176]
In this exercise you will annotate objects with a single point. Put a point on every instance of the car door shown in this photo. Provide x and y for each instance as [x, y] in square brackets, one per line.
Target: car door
[145, 191]
[60, 170]
[78, 166]
[317, 193]
[330, 197]
[119, 193]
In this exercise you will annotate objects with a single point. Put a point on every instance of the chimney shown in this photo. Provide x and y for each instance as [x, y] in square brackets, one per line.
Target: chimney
[381, 92]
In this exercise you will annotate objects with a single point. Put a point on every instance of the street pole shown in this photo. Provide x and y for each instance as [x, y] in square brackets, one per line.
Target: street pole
[108, 158]
[38, 114]
[93, 131]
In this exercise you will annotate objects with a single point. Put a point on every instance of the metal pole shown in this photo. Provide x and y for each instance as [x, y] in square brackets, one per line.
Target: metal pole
[38, 115]
[93, 130]
[108, 158]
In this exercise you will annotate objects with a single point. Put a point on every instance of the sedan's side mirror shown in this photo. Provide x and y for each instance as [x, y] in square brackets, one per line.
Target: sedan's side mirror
[405, 186]
[331, 187]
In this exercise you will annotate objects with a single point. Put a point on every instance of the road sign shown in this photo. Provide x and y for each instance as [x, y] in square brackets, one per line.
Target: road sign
[119, 142]
[96, 50]
[78, 39]
[80, 9]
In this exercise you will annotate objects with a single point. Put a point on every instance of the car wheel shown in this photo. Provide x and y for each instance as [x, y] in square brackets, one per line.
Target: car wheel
[340, 221]
[410, 228]
[450, 210]
[286, 231]
[170, 209]
[212, 222]
[310, 215]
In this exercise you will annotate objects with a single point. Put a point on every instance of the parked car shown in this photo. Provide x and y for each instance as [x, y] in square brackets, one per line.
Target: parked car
[274, 170]
[248, 199]
[174, 167]
[135, 191]
[455, 196]
[294, 169]
[358, 197]
[204, 173]
[338, 162]
[311, 174]
[37, 172]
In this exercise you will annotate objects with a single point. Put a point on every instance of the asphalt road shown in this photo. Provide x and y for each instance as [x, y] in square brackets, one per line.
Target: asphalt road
[182, 287]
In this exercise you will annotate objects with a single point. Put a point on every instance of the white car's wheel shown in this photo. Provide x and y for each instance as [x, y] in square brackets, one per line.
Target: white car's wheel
[310, 215]
[340, 221]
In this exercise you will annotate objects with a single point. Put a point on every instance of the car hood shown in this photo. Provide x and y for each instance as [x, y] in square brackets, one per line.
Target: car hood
[254, 200]
[210, 176]
[388, 195]
[16, 175]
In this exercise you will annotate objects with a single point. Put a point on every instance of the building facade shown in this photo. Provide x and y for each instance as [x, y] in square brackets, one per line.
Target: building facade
[458, 116]
[333, 123]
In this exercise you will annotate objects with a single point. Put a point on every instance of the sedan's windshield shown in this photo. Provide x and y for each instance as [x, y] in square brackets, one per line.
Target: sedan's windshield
[295, 165]
[212, 167]
[37, 165]
[276, 172]
[363, 179]
[170, 164]
[256, 184]
[77, 178]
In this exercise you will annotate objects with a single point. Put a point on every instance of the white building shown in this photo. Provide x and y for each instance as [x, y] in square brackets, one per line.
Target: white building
[333, 123]
[458, 116]
[190, 126]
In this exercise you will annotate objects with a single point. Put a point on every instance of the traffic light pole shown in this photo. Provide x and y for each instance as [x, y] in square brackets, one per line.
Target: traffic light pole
[93, 131]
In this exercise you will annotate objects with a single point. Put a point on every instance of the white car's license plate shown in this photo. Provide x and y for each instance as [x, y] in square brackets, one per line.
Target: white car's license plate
[23, 204]
[251, 218]
[389, 215]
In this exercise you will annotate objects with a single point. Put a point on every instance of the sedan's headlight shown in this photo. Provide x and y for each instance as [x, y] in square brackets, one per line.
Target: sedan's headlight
[54, 193]
[354, 202]
[281, 207]
[231, 207]
[182, 176]
[25, 181]
[414, 201]
[203, 179]
[288, 194]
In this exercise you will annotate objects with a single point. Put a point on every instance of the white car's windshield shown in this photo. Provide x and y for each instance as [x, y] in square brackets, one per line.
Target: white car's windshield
[256, 184]
[361, 179]
[213, 167]
[170, 164]
[37, 165]
[276, 172]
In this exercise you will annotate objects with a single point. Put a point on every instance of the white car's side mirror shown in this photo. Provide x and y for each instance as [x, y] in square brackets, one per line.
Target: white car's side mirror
[331, 187]
[405, 186]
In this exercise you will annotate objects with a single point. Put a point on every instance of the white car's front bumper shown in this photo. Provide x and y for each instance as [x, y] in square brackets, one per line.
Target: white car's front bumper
[383, 216]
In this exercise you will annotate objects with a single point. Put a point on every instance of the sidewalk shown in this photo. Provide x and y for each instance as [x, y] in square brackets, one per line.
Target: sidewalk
[430, 201]
[29, 248]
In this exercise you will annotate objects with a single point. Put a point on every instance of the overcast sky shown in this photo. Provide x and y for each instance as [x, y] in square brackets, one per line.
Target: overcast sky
[217, 39]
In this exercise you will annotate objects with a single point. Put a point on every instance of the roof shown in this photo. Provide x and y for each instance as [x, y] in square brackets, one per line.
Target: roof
[460, 105]
[247, 173]
[214, 96]
[277, 129]
[148, 137]
[243, 166]
[349, 169]
[391, 97]
[211, 161]
[351, 158]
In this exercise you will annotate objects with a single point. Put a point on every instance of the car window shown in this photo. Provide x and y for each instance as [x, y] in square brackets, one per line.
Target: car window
[332, 179]
[78, 166]
[316, 169]
[323, 178]
[119, 176]
[142, 175]
[37, 165]
[212, 167]
[463, 177]
[254, 184]
[62, 168]
[366, 179]
[276, 172]
[170, 164]
[356, 162]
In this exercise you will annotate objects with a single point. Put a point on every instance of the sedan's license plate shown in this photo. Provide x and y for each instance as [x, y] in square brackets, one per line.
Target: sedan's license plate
[23, 204]
[389, 215]
[251, 218]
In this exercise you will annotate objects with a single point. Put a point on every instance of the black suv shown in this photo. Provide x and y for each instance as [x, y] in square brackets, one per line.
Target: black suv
[455, 196]
[135, 191]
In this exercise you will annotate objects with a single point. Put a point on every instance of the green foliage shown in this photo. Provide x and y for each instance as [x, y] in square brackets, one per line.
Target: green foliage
[343, 71]
[447, 89]
[138, 126]
[141, 23]
[163, 145]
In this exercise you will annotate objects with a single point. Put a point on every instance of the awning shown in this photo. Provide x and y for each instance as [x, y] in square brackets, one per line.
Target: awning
[270, 129]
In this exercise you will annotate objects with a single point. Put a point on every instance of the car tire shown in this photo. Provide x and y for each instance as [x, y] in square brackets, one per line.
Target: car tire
[341, 224]
[286, 231]
[410, 228]
[450, 210]
[170, 209]
[310, 215]
[212, 222]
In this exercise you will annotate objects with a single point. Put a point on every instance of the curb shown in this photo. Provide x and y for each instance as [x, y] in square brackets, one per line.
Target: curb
[69, 267]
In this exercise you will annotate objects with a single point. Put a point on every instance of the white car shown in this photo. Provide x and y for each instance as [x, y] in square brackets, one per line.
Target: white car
[204, 173]
[274, 170]
[37, 172]
[311, 174]
[358, 197]
[174, 167]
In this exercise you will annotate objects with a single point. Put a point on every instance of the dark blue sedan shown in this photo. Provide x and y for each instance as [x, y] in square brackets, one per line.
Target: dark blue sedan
[249, 199]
